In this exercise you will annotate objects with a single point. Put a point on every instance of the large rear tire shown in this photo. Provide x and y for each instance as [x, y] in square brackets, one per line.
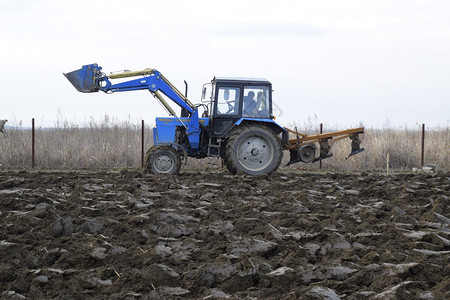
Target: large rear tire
[163, 159]
[253, 150]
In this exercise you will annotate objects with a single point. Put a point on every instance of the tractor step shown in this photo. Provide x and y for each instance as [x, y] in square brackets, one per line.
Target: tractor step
[214, 144]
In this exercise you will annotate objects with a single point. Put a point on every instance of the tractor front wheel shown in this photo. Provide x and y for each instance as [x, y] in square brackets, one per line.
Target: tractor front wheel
[163, 159]
[253, 150]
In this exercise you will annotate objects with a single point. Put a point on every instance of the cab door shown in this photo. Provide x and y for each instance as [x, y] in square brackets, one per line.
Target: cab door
[227, 109]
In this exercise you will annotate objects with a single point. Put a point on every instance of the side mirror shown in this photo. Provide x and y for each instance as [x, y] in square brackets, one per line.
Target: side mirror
[204, 92]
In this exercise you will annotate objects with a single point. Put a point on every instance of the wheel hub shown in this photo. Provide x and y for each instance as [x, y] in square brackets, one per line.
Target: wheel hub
[255, 153]
[163, 162]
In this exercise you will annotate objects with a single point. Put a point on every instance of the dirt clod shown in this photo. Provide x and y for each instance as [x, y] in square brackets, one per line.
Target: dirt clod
[129, 235]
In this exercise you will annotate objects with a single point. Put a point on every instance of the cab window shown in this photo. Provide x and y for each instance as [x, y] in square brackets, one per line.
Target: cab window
[256, 102]
[228, 99]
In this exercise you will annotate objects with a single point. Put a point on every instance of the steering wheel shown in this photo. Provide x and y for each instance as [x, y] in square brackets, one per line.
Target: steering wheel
[231, 108]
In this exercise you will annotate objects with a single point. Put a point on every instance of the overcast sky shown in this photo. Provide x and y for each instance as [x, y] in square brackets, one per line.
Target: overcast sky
[343, 63]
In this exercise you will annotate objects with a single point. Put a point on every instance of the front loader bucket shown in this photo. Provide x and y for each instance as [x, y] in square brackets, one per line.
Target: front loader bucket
[85, 79]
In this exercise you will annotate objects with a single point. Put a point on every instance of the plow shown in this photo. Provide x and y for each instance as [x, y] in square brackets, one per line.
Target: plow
[303, 147]
[234, 121]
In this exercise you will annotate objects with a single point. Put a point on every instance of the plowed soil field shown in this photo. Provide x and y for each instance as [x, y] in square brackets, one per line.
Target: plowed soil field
[128, 235]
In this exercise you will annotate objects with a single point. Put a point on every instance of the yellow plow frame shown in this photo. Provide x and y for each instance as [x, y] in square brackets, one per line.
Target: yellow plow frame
[302, 147]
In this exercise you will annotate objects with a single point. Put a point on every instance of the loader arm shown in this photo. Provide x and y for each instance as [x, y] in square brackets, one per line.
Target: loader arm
[90, 79]
[154, 81]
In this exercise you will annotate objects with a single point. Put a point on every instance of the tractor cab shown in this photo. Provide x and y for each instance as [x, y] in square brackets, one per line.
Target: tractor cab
[235, 99]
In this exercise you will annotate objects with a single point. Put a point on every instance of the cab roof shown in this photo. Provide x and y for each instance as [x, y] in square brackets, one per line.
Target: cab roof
[241, 79]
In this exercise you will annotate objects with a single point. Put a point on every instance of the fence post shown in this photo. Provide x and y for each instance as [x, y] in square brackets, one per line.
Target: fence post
[423, 146]
[320, 131]
[32, 143]
[387, 164]
[142, 145]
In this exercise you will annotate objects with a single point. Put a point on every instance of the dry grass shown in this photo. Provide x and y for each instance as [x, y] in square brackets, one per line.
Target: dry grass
[97, 144]
[117, 144]
[402, 146]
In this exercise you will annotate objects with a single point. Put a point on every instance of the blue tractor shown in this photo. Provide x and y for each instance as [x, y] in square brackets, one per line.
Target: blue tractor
[236, 123]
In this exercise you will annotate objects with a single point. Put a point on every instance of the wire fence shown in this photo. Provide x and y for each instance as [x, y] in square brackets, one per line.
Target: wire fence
[112, 144]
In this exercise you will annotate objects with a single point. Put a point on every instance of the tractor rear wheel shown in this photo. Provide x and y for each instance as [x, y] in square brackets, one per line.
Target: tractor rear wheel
[253, 150]
[163, 159]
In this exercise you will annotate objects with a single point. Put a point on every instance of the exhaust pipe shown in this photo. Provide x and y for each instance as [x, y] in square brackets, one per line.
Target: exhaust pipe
[85, 80]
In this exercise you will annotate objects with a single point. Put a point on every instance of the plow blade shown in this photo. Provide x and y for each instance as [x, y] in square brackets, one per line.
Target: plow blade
[356, 144]
[324, 152]
[85, 79]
